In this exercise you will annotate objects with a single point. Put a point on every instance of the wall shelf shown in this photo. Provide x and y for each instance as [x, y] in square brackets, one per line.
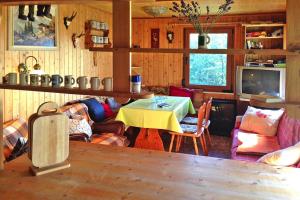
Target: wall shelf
[204, 51]
[142, 95]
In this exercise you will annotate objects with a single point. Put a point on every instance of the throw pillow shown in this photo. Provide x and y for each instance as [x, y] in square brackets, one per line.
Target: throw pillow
[114, 106]
[79, 125]
[95, 109]
[181, 92]
[284, 157]
[108, 112]
[264, 122]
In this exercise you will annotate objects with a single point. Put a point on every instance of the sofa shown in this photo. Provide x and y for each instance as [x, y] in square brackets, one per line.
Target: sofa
[106, 131]
[287, 135]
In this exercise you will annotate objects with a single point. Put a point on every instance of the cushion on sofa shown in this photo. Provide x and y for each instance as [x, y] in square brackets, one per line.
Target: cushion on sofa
[264, 122]
[288, 131]
[78, 124]
[12, 131]
[180, 92]
[77, 109]
[95, 109]
[110, 139]
[107, 110]
[255, 144]
[284, 157]
[238, 156]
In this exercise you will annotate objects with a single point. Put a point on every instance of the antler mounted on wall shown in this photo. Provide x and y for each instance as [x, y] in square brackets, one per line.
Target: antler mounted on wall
[75, 38]
[68, 20]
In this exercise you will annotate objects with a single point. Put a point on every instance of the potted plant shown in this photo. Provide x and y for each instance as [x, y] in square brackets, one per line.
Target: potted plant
[191, 11]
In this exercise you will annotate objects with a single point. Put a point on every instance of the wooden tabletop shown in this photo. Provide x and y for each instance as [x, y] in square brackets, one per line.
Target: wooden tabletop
[106, 172]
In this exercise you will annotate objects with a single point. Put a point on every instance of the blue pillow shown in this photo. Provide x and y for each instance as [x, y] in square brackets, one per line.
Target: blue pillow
[96, 110]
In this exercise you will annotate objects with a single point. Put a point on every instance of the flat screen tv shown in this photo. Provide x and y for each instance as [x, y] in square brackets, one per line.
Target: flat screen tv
[260, 81]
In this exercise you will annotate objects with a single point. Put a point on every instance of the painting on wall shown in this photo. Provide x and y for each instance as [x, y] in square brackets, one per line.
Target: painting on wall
[155, 38]
[33, 27]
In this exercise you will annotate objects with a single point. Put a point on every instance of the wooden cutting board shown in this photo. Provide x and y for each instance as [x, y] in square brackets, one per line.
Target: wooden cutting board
[48, 136]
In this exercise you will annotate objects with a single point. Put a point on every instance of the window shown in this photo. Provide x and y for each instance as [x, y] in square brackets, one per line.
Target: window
[209, 71]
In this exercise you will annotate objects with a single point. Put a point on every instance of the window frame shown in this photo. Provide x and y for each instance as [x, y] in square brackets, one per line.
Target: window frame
[230, 60]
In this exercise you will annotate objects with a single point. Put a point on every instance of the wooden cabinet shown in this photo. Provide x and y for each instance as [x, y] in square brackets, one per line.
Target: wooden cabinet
[265, 36]
[96, 34]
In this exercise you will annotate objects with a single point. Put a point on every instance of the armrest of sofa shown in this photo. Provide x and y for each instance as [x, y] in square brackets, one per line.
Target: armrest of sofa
[116, 127]
[79, 137]
[238, 121]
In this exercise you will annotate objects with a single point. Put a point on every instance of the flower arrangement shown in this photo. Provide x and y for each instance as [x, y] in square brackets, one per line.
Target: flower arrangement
[191, 12]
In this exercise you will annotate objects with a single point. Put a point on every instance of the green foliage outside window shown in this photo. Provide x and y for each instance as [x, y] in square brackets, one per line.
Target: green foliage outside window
[209, 69]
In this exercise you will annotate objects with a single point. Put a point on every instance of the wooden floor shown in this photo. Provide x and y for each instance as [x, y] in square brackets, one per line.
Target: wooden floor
[107, 172]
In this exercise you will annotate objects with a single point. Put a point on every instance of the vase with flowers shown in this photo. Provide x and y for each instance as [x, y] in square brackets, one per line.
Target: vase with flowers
[191, 12]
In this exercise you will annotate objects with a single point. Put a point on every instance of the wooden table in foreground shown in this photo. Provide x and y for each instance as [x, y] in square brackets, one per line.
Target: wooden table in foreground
[106, 172]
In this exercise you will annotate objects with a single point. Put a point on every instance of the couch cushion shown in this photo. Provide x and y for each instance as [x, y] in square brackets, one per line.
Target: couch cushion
[288, 131]
[95, 109]
[110, 139]
[264, 122]
[181, 92]
[12, 131]
[78, 125]
[284, 157]
[77, 109]
[235, 144]
[255, 144]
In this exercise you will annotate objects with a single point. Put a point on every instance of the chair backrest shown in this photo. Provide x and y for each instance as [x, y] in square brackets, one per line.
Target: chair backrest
[208, 109]
[201, 113]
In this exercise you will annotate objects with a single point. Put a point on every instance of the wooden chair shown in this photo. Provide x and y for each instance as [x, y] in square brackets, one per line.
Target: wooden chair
[206, 121]
[193, 131]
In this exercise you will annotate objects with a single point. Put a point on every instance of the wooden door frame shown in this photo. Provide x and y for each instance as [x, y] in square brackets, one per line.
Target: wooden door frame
[230, 60]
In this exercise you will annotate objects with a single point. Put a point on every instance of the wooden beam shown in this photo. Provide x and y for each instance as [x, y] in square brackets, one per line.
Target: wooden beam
[63, 90]
[121, 39]
[293, 43]
[1, 135]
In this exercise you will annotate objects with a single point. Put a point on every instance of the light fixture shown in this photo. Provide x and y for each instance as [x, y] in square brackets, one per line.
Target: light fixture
[155, 11]
[36, 68]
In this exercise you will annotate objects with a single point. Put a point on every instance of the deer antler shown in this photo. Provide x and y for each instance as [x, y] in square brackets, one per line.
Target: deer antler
[73, 16]
[81, 34]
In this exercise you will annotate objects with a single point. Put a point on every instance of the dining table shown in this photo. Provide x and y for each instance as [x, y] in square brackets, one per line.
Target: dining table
[152, 115]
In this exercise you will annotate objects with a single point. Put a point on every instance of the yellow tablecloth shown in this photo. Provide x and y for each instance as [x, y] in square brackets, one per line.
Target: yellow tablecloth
[145, 113]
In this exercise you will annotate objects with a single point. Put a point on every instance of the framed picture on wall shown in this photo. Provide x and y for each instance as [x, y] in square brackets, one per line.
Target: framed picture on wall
[33, 27]
[155, 38]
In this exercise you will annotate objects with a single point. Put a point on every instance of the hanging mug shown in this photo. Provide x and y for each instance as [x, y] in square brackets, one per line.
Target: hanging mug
[82, 81]
[95, 83]
[107, 83]
[35, 79]
[56, 80]
[23, 77]
[69, 81]
[45, 80]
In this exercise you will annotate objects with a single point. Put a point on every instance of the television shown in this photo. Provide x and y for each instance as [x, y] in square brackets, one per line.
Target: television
[260, 81]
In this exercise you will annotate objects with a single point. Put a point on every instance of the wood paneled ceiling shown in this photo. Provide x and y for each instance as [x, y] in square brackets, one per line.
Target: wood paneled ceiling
[240, 6]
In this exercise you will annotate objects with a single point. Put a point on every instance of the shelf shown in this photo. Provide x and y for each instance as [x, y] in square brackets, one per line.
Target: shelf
[142, 95]
[203, 51]
[262, 38]
[264, 25]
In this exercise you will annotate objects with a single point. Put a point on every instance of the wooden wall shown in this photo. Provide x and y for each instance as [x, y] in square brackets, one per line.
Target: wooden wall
[65, 61]
[167, 69]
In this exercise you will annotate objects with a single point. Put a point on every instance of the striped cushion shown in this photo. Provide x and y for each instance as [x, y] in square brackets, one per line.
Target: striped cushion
[110, 139]
[190, 120]
[186, 128]
[12, 132]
